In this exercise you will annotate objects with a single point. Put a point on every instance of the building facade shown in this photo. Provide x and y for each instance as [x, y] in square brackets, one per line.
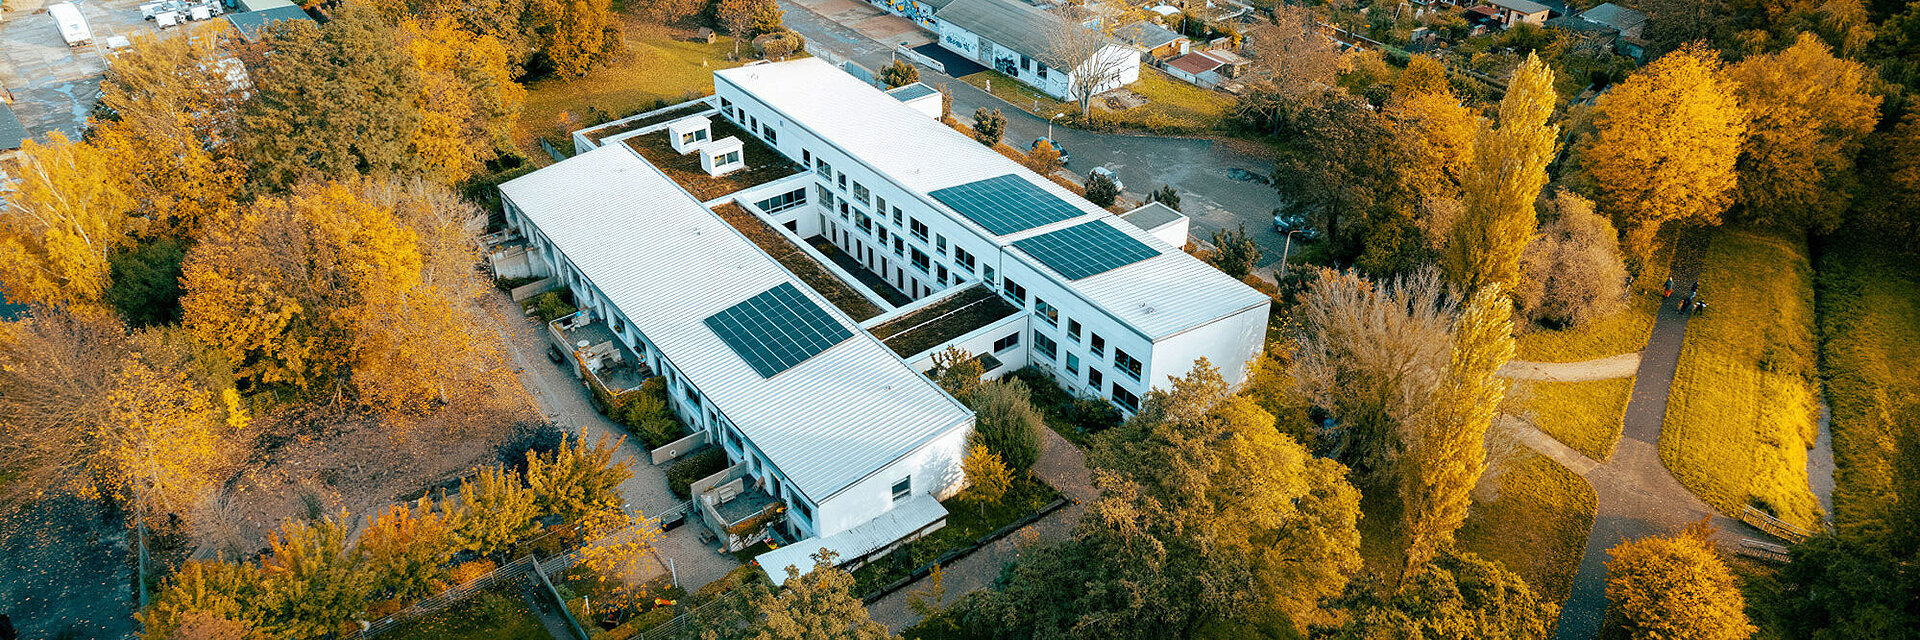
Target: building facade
[1017, 39]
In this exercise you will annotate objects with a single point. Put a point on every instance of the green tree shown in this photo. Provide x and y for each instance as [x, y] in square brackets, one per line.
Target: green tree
[1509, 168]
[899, 73]
[577, 479]
[1166, 195]
[815, 604]
[232, 591]
[1446, 444]
[1456, 595]
[1234, 252]
[988, 126]
[1811, 115]
[1006, 423]
[1101, 190]
[146, 282]
[495, 512]
[958, 372]
[314, 584]
[1665, 145]
[1673, 587]
[1358, 178]
[333, 101]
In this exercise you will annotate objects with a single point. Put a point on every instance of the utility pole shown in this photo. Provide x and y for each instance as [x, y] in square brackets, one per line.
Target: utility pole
[1284, 250]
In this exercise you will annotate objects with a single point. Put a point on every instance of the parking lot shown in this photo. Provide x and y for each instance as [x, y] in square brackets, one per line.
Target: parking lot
[52, 86]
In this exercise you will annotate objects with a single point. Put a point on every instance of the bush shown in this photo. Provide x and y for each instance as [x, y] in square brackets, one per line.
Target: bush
[988, 126]
[682, 475]
[1007, 423]
[899, 74]
[1572, 271]
[1234, 252]
[648, 414]
[553, 305]
[1101, 190]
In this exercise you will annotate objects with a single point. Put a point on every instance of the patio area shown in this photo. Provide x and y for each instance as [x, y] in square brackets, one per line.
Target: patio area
[737, 511]
[598, 353]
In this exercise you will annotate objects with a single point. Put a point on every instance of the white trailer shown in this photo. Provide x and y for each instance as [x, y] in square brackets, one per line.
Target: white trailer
[73, 26]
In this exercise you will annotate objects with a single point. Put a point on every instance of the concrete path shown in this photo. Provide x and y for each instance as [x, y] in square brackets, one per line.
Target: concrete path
[563, 400]
[1197, 168]
[1637, 496]
[1062, 465]
[1610, 367]
[1547, 445]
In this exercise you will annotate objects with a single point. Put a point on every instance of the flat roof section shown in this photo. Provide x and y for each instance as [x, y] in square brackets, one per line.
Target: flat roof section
[802, 265]
[907, 93]
[777, 329]
[1085, 250]
[939, 323]
[1005, 204]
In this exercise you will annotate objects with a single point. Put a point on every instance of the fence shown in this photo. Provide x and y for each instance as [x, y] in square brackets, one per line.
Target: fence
[446, 599]
[1773, 526]
[955, 555]
[921, 58]
[1763, 550]
[852, 68]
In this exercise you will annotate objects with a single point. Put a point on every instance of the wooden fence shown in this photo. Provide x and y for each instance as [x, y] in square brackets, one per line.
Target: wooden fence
[1773, 526]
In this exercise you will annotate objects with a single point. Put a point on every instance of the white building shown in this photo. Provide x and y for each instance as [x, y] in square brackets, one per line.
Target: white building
[830, 414]
[1017, 39]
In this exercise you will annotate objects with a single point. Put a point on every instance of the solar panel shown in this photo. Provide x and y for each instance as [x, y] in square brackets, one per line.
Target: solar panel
[1006, 204]
[777, 329]
[1085, 250]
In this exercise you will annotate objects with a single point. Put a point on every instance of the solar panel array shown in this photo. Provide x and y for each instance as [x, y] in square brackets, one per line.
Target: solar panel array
[1006, 204]
[1085, 250]
[777, 329]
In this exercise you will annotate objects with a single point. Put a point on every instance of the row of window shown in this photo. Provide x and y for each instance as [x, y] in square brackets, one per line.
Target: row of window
[1050, 314]
[1045, 347]
[783, 202]
[859, 197]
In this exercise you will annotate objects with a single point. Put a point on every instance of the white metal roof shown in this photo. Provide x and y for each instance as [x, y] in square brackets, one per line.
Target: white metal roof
[668, 263]
[1159, 296]
[913, 514]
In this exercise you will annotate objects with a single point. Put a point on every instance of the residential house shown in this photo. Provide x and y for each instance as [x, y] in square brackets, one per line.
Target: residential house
[1158, 42]
[1626, 24]
[1019, 40]
[1209, 68]
[1512, 12]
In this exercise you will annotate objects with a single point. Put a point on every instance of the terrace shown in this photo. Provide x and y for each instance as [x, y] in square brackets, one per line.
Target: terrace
[797, 261]
[598, 355]
[735, 508]
[763, 164]
[941, 322]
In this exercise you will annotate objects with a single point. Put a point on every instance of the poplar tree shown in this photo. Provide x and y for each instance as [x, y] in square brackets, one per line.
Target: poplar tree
[1509, 168]
[1446, 443]
[1665, 145]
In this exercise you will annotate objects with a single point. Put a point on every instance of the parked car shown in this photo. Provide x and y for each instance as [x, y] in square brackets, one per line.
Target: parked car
[1243, 175]
[1110, 175]
[73, 26]
[1065, 158]
[1286, 221]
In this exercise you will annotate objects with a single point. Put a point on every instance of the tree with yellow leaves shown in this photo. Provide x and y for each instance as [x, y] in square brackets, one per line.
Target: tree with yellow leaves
[203, 589]
[576, 479]
[1674, 587]
[619, 551]
[1437, 131]
[160, 446]
[574, 35]
[495, 512]
[1665, 145]
[468, 100]
[1509, 169]
[68, 213]
[1446, 443]
[170, 115]
[407, 548]
[313, 582]
[987, 477]
[1811, 115]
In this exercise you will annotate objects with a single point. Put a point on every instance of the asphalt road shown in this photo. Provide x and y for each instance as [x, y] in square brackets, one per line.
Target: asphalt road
[1197, 168]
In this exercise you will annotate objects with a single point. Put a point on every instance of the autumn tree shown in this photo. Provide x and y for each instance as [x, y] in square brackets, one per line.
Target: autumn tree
[1234, 252]
[407, 548]
[1044, 159]
[899, 73]
[1572, 272]
[571, 36]
[1674, 587]
[1007, 424]
[313, 582]
[988, 126]
[1456, 595]
[819, 603]
[68, 212]
[738, 18]
[468, 100]
[1424, 75]
[160, 446]
[201, 589]
[1299, 62]
[496, 511]
[987, 478]
[958, 372]
[620, 553]
[1371, 354]
[1509, 168]
[1101, 190]
[1446, 443]
[332, 102]
[1811, 115]
[1359, 180]
[1665, 146]
[169, 114]
[577, 479]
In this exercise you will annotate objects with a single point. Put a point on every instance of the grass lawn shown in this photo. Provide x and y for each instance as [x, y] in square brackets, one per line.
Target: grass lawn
[1869, 311]
[1173, 106]
[965, 523]
[1019, 93]
[1742, 411]
[499, 613]
[1623, 332]
[1582, 415]
[1537, 526]
[661, 64]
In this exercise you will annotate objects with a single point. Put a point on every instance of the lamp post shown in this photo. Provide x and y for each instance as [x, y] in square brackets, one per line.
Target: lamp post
[1056, 146]
[1284, 250]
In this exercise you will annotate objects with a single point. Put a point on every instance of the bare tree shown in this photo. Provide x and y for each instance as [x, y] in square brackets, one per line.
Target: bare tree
[1295, 58]
[1572, 272]
[1081, 41]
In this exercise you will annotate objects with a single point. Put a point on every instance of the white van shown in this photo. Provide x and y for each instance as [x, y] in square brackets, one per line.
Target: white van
[73, 26]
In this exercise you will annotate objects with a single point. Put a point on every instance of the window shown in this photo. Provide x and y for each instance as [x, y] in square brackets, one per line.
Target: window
[1098, 345]
[727, 106]
[806, 513]
[845, 212]
[1018, 292]
[899, 248]
[1045, 346]
[773, 137]
[1046, 311]
[918, 228]
[730, 158]
[821, 167]
[1073, 365]
[1012, 340]
[1026, 63]
[1042, 71]
[1093, 378]
[880, 206]
[940, 274]
[902, 488]
[783, 202]
[988, 276]
[1126, 364]
[920, 261]
[860, 193]
[1073, 330]
[843, 182]
[1126, 398]
[806, 158]
[896, 216]
[939, 244]
[883, 236]
[691, 136]
[866, 224]
[964, 259]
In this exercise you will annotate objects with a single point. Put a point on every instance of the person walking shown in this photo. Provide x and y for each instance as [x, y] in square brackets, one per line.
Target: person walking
[1691, 294]
[1667, 289]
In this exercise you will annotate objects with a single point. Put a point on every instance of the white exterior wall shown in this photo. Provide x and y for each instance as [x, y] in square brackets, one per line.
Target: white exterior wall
[935, 468]
[1093, 321]
[1229, 343]
[1056, 83]
[980, 341]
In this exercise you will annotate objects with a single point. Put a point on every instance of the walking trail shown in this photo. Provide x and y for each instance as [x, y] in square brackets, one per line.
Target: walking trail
[1607, 368]
[1062, 465]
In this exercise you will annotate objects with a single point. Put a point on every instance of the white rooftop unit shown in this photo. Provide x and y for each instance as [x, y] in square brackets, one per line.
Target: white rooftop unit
[687, 134]
[73, 26]
[722, 156]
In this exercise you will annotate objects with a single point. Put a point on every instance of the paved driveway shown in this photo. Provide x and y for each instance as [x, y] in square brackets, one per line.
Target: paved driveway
[1196, 167]
[54, 86]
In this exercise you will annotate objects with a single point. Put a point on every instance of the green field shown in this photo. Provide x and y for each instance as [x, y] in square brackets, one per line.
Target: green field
[1742, 410]
[661, 64]
[1582, 415]
[1624, 332]
[1869, 309]
[499, 613]
[1537, 526]
[1172, 106]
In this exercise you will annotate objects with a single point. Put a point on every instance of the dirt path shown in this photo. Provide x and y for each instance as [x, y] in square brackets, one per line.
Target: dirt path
[1619, 366]
[1062, 465]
